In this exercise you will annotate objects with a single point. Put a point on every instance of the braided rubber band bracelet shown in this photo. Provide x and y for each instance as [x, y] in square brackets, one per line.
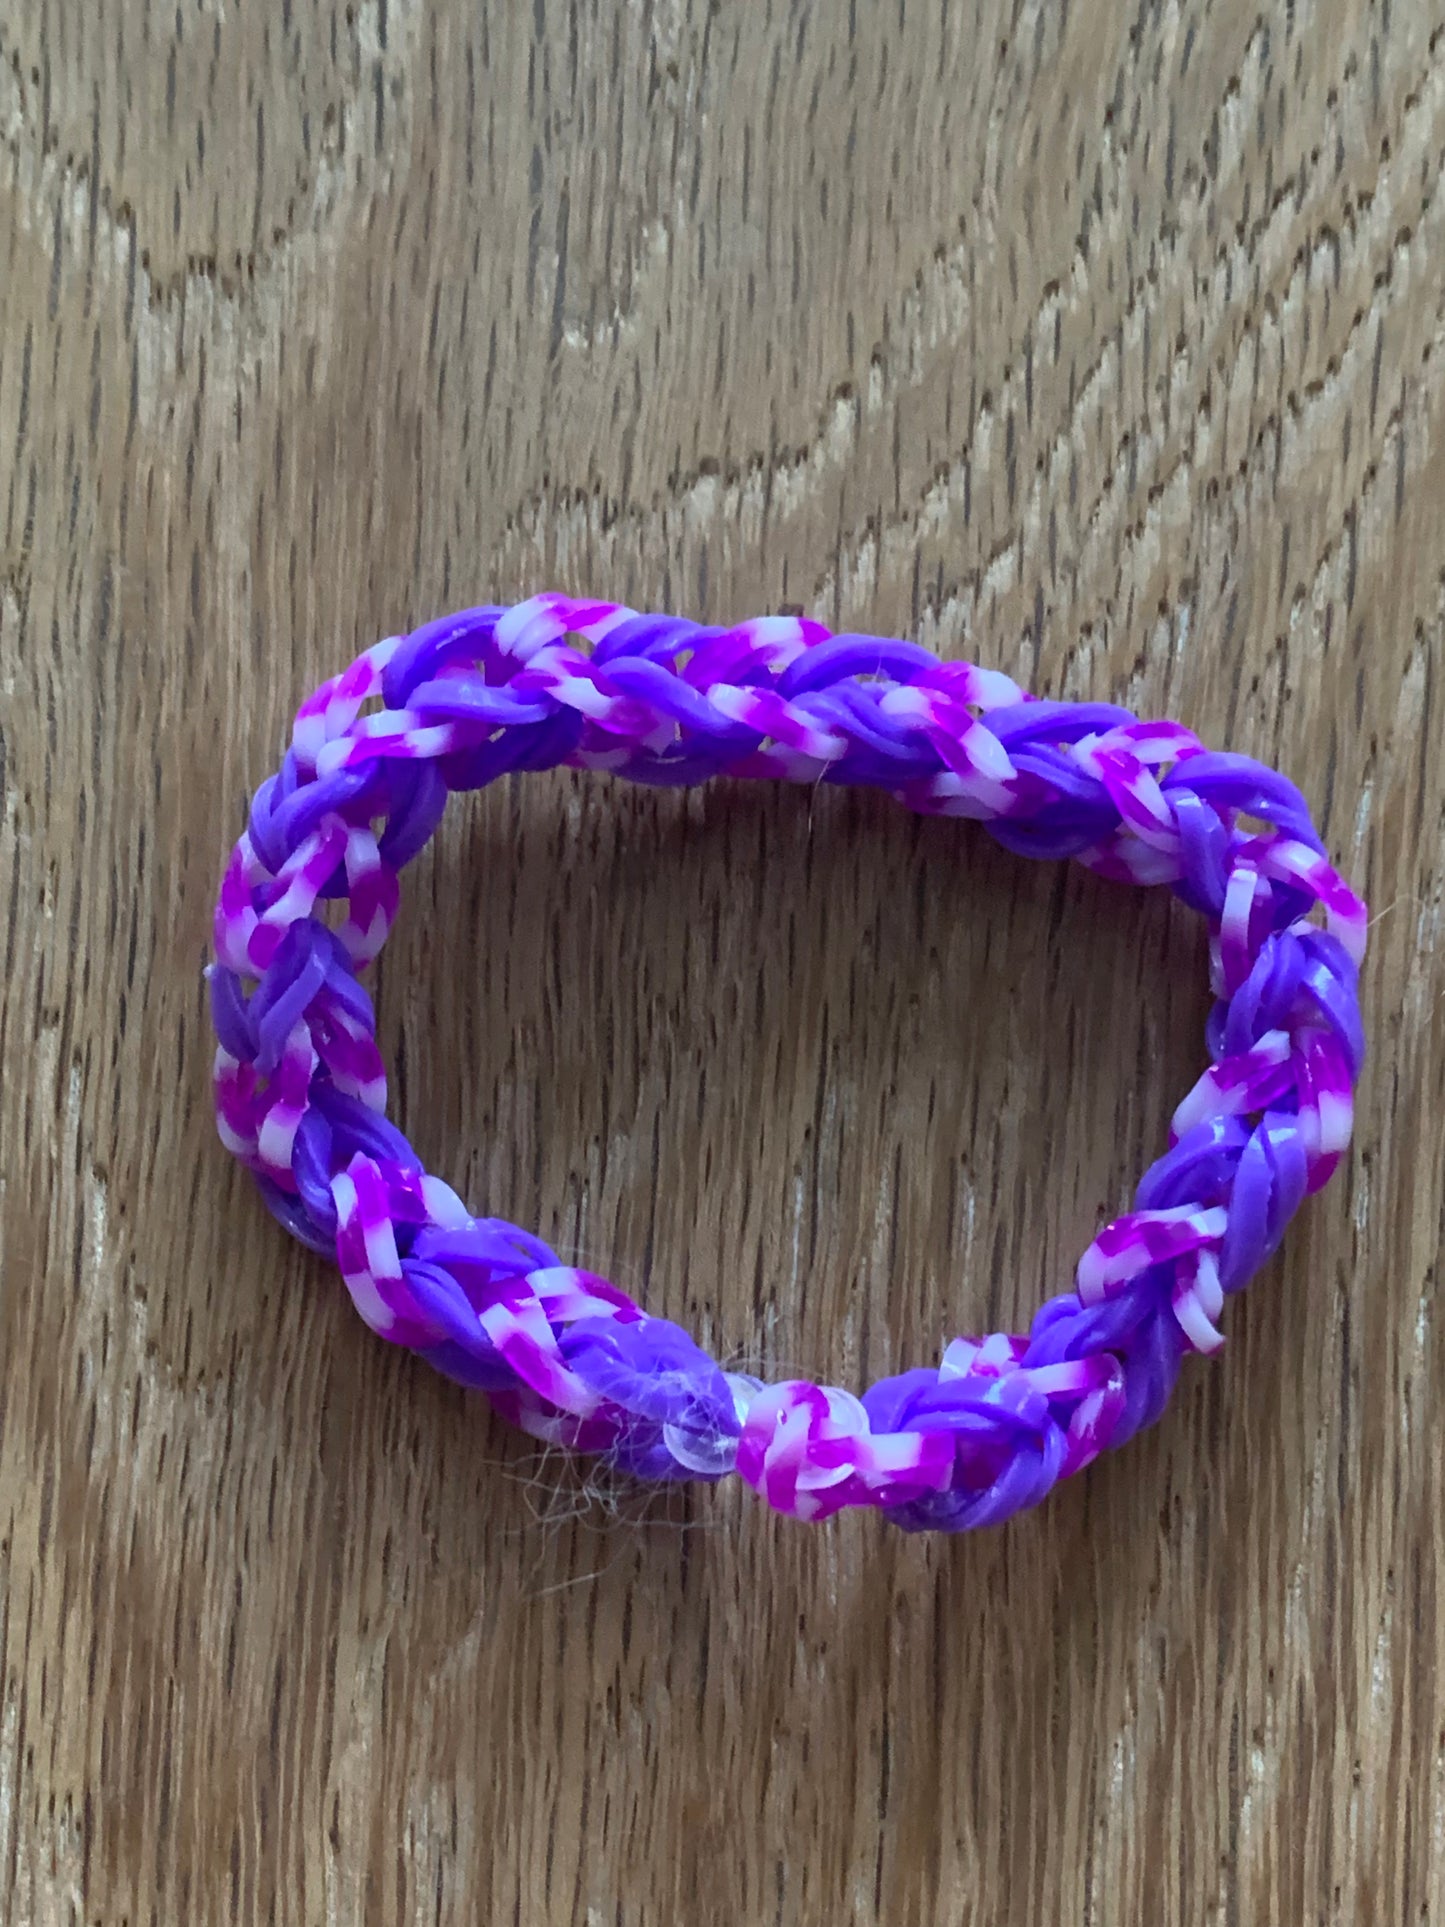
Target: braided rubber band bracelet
[301, 1092]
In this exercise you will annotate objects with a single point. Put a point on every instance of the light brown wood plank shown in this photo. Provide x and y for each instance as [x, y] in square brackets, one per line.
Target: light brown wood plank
[1104, 345]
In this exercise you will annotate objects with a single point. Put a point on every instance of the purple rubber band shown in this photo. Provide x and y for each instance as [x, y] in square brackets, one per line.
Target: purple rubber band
[301, 1091]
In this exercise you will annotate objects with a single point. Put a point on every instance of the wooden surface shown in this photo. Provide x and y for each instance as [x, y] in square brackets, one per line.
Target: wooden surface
[1105, 345]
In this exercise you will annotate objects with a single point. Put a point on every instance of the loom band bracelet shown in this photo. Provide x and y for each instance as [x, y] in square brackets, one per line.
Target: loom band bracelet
[311, 892]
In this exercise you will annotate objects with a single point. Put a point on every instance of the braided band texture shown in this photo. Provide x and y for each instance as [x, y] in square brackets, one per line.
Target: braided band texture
[301, 1092]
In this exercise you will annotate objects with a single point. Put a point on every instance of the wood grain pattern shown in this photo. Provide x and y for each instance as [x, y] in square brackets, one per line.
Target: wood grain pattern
[1104, 343]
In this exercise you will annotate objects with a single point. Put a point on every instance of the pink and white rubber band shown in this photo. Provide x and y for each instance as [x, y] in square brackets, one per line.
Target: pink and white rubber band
[311, 892]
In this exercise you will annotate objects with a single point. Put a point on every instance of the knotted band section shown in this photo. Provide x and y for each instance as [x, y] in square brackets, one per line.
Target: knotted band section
[311, 892]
